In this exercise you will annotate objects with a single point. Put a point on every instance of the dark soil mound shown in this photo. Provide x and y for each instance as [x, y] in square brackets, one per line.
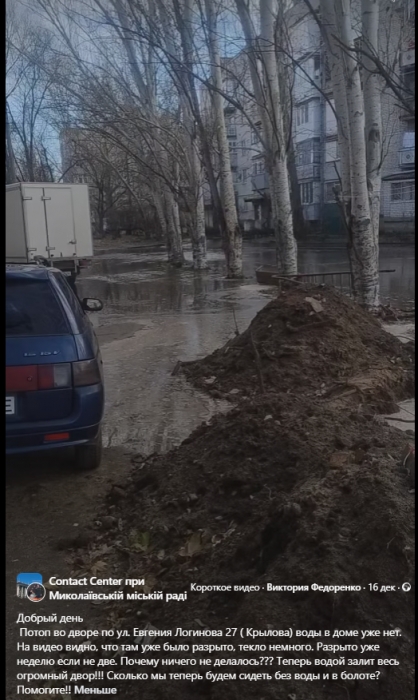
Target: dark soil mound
[310, 341]
[278, 492]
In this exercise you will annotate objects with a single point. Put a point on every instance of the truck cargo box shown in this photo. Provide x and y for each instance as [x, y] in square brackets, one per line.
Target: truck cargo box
[49, 221]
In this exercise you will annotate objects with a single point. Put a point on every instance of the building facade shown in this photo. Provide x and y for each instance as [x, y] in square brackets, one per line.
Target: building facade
[314, 129]
[315, 124]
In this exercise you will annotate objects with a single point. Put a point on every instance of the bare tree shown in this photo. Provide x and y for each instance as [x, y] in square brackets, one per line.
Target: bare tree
[336, 22]
[114, 94]
[372, 90]
[29, 154]
[266, 86]
[233, 236]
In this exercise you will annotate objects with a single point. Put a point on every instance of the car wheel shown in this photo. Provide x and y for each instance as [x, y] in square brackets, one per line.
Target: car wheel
[88, 457]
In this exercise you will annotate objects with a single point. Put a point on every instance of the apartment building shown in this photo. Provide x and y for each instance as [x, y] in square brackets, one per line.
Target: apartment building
[246, 152]
[315, 124]
[314, 129]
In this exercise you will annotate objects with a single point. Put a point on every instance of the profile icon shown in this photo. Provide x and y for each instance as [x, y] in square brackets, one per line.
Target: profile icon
[35, 592]
[29, 585]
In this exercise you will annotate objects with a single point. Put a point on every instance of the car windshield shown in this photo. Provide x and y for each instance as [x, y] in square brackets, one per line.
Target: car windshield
[33, 309]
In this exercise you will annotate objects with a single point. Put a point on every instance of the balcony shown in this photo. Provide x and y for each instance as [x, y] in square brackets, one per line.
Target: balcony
[407, 58]
[308, 172]
[233, 157]
[260, 182]
[407, 109]
[407, 158]
[228, 108]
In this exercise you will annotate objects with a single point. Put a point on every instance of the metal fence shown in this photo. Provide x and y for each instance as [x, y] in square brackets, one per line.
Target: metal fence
[340, 280]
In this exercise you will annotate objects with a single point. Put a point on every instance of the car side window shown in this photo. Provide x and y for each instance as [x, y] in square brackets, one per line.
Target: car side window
[73, 301]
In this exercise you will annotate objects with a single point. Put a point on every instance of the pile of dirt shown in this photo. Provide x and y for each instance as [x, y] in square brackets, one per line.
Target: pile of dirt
[300, 484]
[313, 342]
[274, 491]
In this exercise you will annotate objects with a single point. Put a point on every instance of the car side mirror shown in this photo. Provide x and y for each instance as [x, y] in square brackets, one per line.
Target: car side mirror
[92, 304]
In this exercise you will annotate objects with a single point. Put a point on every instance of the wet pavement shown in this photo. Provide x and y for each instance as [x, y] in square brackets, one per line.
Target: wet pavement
[153, 316]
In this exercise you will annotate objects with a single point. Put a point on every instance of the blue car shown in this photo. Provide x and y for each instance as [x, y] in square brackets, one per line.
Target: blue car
[54, 371]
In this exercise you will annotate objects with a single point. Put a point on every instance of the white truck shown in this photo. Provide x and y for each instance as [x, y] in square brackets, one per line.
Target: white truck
[49, 223]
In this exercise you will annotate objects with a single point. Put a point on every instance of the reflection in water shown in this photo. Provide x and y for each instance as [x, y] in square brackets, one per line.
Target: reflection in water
[132, 283]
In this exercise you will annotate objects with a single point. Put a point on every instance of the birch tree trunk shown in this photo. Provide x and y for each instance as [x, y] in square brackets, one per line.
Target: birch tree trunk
[196, 175]
[232, 233]
[285, 240]
[159, 208]
[268, 98]
[367, 287]
[337, 29]
[335, 58]
[372, 89]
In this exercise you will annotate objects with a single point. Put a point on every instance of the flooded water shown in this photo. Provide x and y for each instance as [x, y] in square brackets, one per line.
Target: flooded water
[154, 315]
[132, 282]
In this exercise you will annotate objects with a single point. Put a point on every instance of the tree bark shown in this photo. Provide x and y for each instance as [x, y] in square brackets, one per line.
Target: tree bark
[198, 233]
[367, 285]
[232, 234]
[268, 99]
[283, 225]
[10, 159]
[335, 58]
[372, 109]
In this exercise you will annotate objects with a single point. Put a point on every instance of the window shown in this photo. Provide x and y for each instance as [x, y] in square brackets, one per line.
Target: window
[231, 130]
[33, 309]
[244, 206]
[317, 66]
[72, 300]
[254, 138]
[308, 152]
[306, 192]
[230, 87]
[408, 139]
[302, 114]
[258, 168]
[408, 78]
[237, 176]
[232, 145]
[330, 193]
[245, 174]
[402, 191]
[243, 151]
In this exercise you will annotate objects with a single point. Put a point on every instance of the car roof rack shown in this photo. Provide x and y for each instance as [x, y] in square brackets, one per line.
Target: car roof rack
[39, 261]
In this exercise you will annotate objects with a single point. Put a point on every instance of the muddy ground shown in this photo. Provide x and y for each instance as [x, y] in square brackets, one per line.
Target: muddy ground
[275, 491]
[296, 484]
[310, 341]
[152, 319]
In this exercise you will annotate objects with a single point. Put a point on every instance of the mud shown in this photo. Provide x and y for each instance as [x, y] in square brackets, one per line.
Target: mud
[315, 342]
[286, 488]
[275, 491]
